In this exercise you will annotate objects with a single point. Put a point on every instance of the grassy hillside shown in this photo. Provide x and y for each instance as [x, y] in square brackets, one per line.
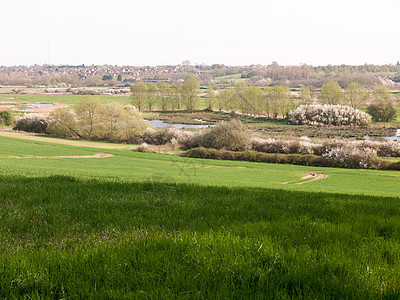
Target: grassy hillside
[133, 166]
[143, 225]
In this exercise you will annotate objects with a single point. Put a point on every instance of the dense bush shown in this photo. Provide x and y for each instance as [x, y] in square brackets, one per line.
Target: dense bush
[302, 146]
[32, 123]
[383, 149]
[351, 156]
[382, 112]
[232, 135]
[328, 115]
[165, 136]
[6, 117]
[87, 92]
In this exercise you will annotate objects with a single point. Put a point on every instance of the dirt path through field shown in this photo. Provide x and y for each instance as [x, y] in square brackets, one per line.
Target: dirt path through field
[312, 176]
[97, 155]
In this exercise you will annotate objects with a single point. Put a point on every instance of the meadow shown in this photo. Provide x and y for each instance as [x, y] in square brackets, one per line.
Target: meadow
[72, 100]
[145, 225]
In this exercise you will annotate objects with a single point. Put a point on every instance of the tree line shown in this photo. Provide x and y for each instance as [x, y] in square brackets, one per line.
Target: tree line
[171, 96]
[272, 101]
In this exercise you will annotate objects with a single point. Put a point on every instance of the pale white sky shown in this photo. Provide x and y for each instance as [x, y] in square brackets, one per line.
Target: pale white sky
[232, 32]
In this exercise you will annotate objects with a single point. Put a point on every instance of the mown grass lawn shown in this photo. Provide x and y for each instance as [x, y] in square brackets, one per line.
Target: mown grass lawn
[143, 225]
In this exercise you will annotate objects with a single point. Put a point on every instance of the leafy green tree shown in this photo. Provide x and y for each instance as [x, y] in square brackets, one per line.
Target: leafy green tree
[175, 97]
[355, 94]
[331, 93]
[285, 101]
[111, 116]
[190, 89]
[152, 91]
[267, 93]
[139, 94]
[381, 95]
[239, 100]
[381, 109]
[305, 95]
[88, 112]
[132, 126]
[253, 100]
[211, 95]
[277, 99]
[112, 122]
[164, 92]
[63, 123]
[226, 100]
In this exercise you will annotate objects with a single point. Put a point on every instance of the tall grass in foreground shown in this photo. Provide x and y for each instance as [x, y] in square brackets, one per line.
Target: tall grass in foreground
[63, 237]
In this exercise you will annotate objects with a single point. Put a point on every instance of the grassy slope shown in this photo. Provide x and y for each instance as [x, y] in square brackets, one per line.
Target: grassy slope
[128, 166]
[63, 236]
[82, 228]
[55, 140]
[11, 147]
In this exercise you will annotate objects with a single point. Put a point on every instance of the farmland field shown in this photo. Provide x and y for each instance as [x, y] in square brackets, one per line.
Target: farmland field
[144, 225]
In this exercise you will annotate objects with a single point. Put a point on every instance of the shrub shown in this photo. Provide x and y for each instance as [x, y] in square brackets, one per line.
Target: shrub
[303, 146]
[383, 149]
[63, 123]
[87, 92]
[382, 112]
[166, 136]
[143, 148]
[328, 115]
[232, 135]
[6, 117]
[351, 156]
[32, 123]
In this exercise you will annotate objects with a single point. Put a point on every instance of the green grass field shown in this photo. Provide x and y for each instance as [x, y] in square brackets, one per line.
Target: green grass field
[229, 77]
[74, 99]
[68, 99]
[144, 225]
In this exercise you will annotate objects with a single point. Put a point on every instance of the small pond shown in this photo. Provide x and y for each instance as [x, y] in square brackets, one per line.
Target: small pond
[159, 123]
[43, 105]
[395, 137]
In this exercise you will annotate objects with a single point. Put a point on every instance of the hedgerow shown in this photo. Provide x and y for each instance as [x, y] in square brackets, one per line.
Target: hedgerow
[340, 157]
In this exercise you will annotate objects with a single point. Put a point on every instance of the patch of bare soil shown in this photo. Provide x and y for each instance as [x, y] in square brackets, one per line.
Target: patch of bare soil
[312, 176]
[4, 105]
